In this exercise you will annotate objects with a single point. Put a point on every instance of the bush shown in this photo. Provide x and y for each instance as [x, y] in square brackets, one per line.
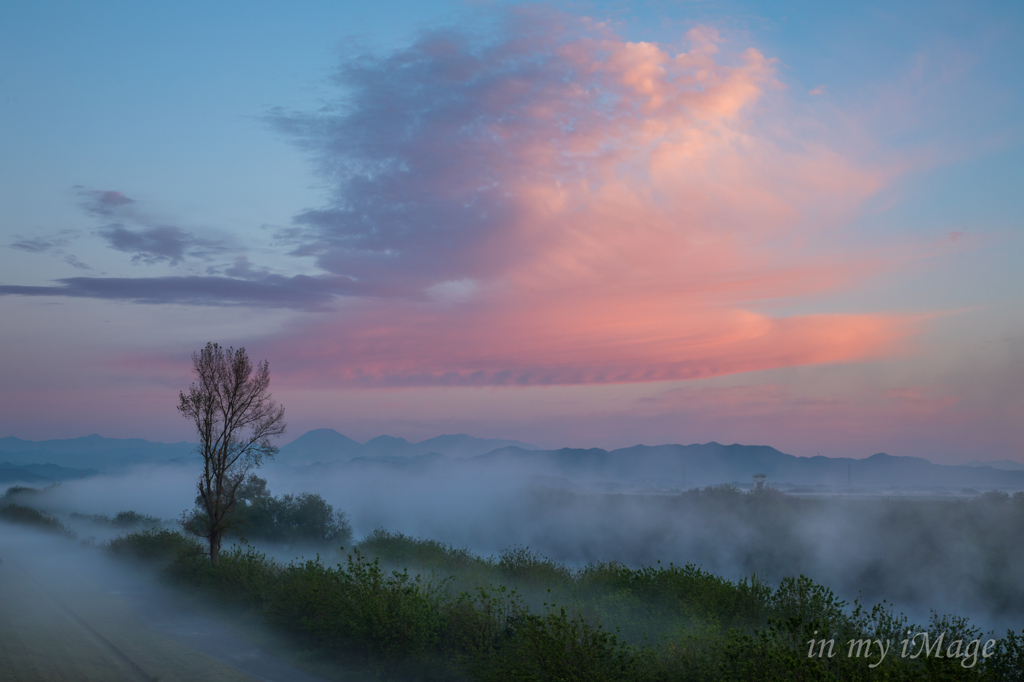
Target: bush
[159, 546]
[403, 550]
[131, 519]
[602, 622]
[28, 516]
[521, 565]
[15, 490]
[362, 610]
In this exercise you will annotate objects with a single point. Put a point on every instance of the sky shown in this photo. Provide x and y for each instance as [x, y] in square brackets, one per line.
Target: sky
[581, 224]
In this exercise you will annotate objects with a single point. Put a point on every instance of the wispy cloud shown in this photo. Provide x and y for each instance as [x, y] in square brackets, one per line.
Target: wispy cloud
[40, 244]
[75, 263]
[103, 202]
[157, 244]
[274, 291]
[148, 239]
[53, 245]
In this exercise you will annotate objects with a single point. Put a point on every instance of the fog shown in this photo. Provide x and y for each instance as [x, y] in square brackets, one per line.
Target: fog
[951, 555]
[71, 612]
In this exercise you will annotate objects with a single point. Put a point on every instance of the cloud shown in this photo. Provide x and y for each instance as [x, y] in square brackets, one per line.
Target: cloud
[55, 246]
[39, 244]
[606, 210]
[551, 204]
[271, 291]
[136, 232]
[405, 345]
[446, 154]
[820, 90]
[75, 263]
[103, 202]
[156, 244]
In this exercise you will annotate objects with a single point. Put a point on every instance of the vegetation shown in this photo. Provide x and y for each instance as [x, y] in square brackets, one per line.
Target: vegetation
[155, 545]
[27, 516]
[408, 608]
[16, 490]
[123, 519]
[296, 520]
[303, 519]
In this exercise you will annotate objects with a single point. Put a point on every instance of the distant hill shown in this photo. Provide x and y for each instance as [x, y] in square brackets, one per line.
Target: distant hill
[93, 452]
[327, 445]
[1005, 464]
[656, 466]
[319, 445]
[687, 466]
[40, 473]
[710, 463]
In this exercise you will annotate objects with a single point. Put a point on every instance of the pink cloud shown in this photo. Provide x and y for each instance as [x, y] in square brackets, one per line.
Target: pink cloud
[581, 209]
[561, 206]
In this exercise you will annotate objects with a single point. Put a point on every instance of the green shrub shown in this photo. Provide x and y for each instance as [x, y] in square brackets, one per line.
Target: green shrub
[28, 516]
[602, 622]
[160, 546]
[559, 645]
[522, 565]
[403, 550]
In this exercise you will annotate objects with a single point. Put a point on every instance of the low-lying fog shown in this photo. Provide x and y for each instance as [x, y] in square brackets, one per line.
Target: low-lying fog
[958, 555]
[72, 612]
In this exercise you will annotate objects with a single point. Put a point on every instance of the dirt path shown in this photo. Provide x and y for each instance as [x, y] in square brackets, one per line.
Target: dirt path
[68, 614]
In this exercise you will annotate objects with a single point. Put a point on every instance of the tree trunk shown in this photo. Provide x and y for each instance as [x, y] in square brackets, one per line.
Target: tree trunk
[214, 547]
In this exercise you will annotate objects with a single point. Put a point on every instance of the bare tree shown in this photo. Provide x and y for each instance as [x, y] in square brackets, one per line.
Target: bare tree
[236, 419]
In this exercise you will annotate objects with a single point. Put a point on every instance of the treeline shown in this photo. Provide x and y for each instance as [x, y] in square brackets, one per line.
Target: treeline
[449, 614]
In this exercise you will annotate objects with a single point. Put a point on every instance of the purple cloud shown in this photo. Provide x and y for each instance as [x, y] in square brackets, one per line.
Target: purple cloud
[136, 233]
[103, 202]
[271, 291]
[161, 243]
[39, 245]
[420, 170]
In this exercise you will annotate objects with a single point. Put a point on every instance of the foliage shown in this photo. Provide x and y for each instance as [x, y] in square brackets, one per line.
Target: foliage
[449, 614]
[161, 546]
[303, 519]
[123, 519]
[16, 490]
[27, 516]
[403, 550]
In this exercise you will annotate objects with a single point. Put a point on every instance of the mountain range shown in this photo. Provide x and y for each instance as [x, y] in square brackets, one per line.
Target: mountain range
[686, 466]
[93, 452]
[327, 445]
[658, 466]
